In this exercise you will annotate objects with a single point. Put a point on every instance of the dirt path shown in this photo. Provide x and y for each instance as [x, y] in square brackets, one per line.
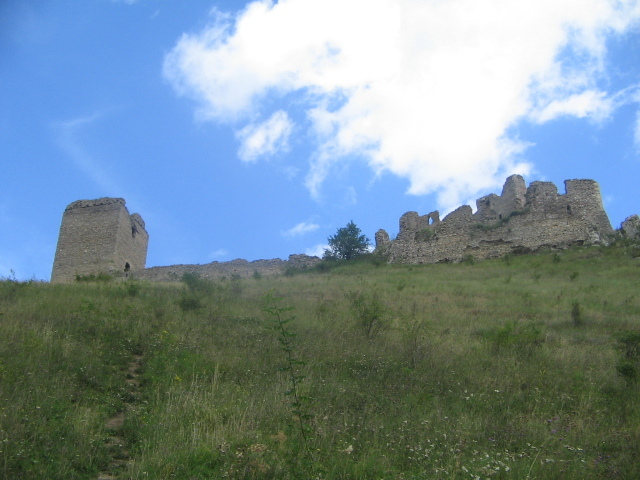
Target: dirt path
[116, 442]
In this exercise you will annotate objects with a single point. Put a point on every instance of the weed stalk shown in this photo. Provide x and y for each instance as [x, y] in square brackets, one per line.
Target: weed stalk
[292, 365]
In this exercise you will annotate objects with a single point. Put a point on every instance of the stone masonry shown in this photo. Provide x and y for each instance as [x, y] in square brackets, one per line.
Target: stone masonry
[99, 236]
[630, 228]
[219, 270]
[519, 220]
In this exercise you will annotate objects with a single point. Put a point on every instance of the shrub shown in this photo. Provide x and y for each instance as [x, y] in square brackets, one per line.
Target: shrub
[425, 234]
[324, 266]
[132, 288]
[511, 337]
[628, 370]
[195, 283]
[629, 345]
[370, 312]
[469, 260]
[576, 314]
[375, 258]
[414, 329]
[190, 302]
[100, 277]
[10, 288]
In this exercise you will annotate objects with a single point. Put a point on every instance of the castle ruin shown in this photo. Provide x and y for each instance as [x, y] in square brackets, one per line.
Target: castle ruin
[519, 220]
[99, 236]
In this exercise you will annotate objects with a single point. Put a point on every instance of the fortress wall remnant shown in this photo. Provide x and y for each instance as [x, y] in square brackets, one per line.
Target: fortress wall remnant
[99, 236]
[213, 270]
[220, 270]
[496, 207]
[382, 239]
[521, 219]
[630, 227]
[583, 197]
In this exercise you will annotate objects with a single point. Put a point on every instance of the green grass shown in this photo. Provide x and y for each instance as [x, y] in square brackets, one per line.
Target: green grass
[517, 368]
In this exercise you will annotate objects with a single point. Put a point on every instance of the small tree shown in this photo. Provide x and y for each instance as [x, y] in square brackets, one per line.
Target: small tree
[347, 243]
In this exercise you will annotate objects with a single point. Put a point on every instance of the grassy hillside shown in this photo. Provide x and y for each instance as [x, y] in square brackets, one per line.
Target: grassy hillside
[518, 368]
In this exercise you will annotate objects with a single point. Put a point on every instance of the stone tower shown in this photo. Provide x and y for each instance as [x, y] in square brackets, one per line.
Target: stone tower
[99, 236]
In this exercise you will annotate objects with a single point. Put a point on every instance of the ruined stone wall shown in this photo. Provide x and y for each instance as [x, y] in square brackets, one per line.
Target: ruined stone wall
[493, 208]
[220, 270]
[99, 236]
[630, 227]
[521, 219]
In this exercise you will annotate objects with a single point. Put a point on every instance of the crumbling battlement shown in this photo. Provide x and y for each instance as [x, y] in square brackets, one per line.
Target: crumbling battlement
[521, 219]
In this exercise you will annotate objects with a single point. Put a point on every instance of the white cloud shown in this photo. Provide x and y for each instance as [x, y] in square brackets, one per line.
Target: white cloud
[317, 250]
[592, 104]
[266, 138]
[424, 89]
[301, 229]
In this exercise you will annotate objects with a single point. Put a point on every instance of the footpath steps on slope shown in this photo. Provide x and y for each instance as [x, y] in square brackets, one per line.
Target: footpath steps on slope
[118, 448]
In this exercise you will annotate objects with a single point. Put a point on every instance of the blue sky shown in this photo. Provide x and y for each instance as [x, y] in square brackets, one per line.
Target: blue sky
[257, 129]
